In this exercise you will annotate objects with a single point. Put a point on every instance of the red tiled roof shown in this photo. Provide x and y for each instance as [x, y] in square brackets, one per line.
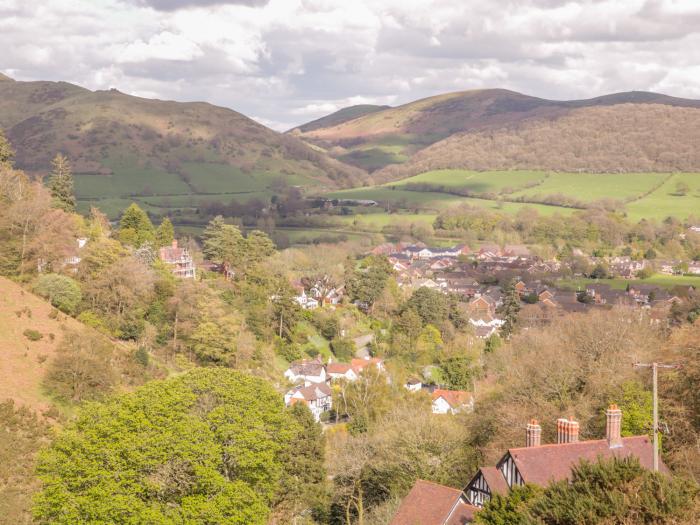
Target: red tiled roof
[455, 398]
[313, 392]
[547, 463]
[432, 504]
[338, 368]
[495, 480]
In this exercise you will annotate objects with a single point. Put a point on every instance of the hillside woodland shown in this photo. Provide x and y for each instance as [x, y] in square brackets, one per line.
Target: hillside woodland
[160, 400]
[101, 130]
[622, 138]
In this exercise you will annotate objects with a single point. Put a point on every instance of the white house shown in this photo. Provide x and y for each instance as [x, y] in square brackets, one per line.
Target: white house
[307, 371]
[341, 371]
[413, 385]
[305, 301]
[451, 401]
[317, 397]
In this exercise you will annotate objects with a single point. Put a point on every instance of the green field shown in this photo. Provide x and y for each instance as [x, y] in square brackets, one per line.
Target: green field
[647, 195]
[659, 279]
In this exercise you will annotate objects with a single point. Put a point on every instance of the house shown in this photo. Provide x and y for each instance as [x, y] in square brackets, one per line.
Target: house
[344, 371]
[179, 260]
[451, 401]
[306, 301]
[431, 504]
[544, 464]
[307, 370]
[316, 396]
[359, 365]
[413, 385]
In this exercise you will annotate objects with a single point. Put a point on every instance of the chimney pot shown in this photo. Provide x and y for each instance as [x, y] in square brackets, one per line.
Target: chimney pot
[573, 430]
[613, 426]
[174, 243]
[533, 435]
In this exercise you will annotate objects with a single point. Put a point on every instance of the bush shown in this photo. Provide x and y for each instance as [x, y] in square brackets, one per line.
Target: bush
[343, 348]
[61, 291]
[32, 335]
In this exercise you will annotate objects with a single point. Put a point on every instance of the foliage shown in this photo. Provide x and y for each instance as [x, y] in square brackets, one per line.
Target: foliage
[204, 447]
[61, 291]
[165, 234]
[135, 228]
[33, 335]
[61, 184]
[6, 151]
[458, 372]
[636, 404]
[83, 367]
[343, 348]
[509, 309]
[366, 283]
[22, 434]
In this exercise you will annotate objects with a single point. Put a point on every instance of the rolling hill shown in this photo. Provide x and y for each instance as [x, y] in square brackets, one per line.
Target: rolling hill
[122, 146]
[395, 136]
[340, 116]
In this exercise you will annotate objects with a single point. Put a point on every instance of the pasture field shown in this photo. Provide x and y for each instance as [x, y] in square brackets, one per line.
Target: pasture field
[664, 202]
[658, 279]
[474, 181]
[589, 187]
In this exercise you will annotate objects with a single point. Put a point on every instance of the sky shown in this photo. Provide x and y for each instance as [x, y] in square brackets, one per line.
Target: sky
[285, 62]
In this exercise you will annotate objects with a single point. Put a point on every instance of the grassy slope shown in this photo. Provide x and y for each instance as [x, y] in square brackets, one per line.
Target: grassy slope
[121, 145]
[24, 362]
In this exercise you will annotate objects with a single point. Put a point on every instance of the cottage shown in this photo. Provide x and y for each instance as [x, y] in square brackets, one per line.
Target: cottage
[413, 385]
[306, 301]
[451, 401]
[179, 260]
[307, 370]
[341, 371]
[317, 397]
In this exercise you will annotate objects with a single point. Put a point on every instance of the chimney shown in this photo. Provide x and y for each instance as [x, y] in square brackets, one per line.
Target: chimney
[613, 426]
[533, 435]
[174, 243]
[567, 430]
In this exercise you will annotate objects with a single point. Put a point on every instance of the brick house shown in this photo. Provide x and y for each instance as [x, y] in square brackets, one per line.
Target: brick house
[179, 260]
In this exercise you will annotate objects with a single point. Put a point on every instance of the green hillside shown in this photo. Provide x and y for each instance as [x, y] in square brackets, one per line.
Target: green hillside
[122, 146]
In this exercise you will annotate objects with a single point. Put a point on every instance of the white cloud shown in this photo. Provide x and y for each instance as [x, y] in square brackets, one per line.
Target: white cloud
[287, 61]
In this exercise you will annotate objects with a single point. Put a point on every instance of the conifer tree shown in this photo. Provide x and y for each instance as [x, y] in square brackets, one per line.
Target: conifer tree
[135, 227]
[6, 151]
[61, 184]
[509, 309]
[165, 234]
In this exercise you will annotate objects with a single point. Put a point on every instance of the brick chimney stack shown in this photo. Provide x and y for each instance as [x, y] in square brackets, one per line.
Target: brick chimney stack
[533, 435]
[613, 426]
[567, 430]
[174, 245]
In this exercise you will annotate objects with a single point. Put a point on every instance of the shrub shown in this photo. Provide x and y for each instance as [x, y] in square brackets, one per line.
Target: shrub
[61, 291]
[32, 335]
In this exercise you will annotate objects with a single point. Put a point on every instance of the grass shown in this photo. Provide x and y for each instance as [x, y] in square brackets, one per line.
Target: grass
[478, 182]
[658, 279]
[664, 202]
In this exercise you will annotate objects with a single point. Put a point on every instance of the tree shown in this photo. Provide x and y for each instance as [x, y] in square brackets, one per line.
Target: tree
[343, 348]
[61, 291]
[6, 151]
[636, 404]
[222, 243]
[82, 368]
[135, 227]
[61, 184]
[207, 446]
[682, 188]
[458, 372]
[509, 309]
[366, 283]
[257, 247]
[165, 234]
[609, 491]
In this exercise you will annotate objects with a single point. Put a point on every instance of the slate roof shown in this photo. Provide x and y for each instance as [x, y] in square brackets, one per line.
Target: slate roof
[495, 480]
[431, 504]
[306, 367]
[547, 463]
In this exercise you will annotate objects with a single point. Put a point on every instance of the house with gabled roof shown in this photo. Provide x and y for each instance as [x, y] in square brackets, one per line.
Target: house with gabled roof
[540, 464]
[179, 260]
[316, 396]
[451, 401]
[307, 371]
[431, 504]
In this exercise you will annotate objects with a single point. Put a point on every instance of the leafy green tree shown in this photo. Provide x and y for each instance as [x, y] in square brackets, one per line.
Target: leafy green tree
[458, 372]
[61, 291]
[204, 447]
[304, 486]
[509, 309]
[637, 405]
[6, 151]
[432, 306]
[165, 233]
[61, 184]
[222, 243]
[366, 283]
[343, 348]
[257, 247]
[135, 228]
